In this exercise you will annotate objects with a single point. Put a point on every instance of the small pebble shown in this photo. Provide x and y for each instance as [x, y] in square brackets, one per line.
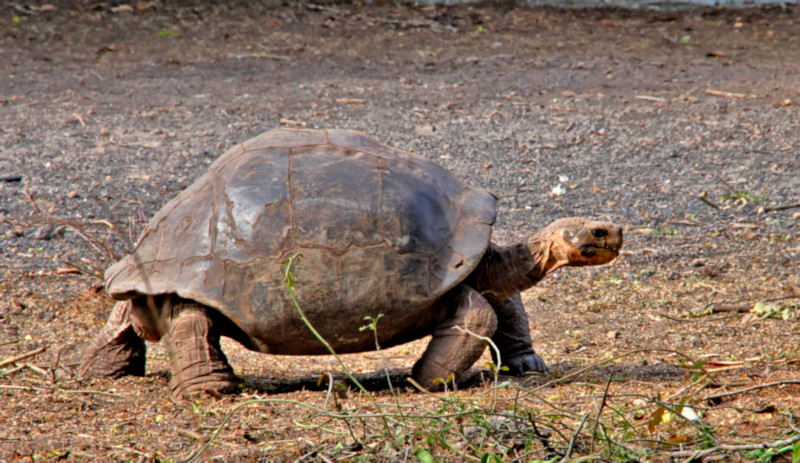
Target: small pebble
[73, 194]
[44, 233]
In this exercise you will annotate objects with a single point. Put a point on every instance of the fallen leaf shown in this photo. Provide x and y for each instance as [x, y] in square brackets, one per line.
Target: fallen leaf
[106, 49]
[682, 439]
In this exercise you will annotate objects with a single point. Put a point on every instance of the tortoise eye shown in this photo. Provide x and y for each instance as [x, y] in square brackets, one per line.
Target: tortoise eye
[599, 233]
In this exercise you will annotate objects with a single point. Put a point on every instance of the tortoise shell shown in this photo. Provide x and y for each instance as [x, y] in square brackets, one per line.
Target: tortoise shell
[380, 231]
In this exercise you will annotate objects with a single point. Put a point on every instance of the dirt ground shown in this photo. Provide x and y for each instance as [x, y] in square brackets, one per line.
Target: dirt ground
[682, 126]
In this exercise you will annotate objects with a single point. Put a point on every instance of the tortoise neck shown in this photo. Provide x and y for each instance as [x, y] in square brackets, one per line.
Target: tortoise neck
[506, 270]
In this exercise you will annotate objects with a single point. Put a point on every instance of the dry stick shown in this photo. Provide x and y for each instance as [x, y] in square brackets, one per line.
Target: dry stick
[36, 369]
[730, 187]
[19, 357]
[753, 388]
[55, 366]
[697, 455]
[600, 411]
[725, 94]
[745, 307]
[791, 423]
[574, 438]
[704, 197]
[781, 208]
[22, 388]
[544, 440]
[732, 308]
[14, 370]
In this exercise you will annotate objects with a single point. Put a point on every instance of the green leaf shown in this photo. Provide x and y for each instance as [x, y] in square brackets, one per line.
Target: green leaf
[423, 456]
[796, 452]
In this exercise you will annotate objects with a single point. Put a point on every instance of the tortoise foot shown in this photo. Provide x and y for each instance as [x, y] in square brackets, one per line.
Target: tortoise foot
[199, 365]
[117, 351]
[218, 383]
[522, 364]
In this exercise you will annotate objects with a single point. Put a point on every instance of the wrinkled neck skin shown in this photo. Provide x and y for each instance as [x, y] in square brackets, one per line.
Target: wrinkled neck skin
[506, 270]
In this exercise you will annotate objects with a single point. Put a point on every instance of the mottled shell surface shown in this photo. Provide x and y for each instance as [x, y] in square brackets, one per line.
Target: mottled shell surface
[380, 231]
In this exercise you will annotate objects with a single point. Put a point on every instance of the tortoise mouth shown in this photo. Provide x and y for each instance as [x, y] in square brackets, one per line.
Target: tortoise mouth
[590, 250]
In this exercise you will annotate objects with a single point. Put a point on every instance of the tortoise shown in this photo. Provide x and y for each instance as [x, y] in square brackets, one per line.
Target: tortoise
[381, 232]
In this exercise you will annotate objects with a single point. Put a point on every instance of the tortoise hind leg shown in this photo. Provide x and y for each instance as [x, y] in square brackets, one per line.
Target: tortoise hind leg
[117, 350]
[451, 350]
[198, 361]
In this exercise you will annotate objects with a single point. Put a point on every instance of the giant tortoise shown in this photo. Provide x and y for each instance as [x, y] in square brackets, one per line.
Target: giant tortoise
[381, 231]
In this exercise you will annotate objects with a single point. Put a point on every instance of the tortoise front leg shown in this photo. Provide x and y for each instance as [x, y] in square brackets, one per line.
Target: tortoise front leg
[451, 350]
[117, 350]
[513, 338]
[198, 361]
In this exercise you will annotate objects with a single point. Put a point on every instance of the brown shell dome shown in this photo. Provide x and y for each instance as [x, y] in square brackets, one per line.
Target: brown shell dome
[380, 231]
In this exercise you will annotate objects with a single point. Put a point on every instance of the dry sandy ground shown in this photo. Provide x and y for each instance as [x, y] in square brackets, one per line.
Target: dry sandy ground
[683, 127]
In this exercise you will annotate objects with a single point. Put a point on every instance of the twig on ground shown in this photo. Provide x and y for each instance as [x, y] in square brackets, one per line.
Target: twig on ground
[574, 438]
[791, 423]
[14, 370]
[36, 370]
[744, 306]
[704, 197]
[732, 307]
[542, 438]
[19, 357]
[55, 364]
[600, 411]
[753, 388]
[21, 388]
[190, 435]
[697, 455]
[782, 208]
[725, 182]
[724, 94]
[654, 99]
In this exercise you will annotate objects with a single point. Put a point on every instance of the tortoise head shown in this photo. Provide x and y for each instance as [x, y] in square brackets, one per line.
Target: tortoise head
[578, 241]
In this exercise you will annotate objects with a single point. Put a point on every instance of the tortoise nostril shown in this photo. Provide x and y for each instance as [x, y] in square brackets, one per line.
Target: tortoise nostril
[599, 233]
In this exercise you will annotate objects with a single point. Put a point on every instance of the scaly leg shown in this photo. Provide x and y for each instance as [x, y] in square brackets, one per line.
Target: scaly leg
[198, 362]
[513, 338]
[117, 350]
[452, 351]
